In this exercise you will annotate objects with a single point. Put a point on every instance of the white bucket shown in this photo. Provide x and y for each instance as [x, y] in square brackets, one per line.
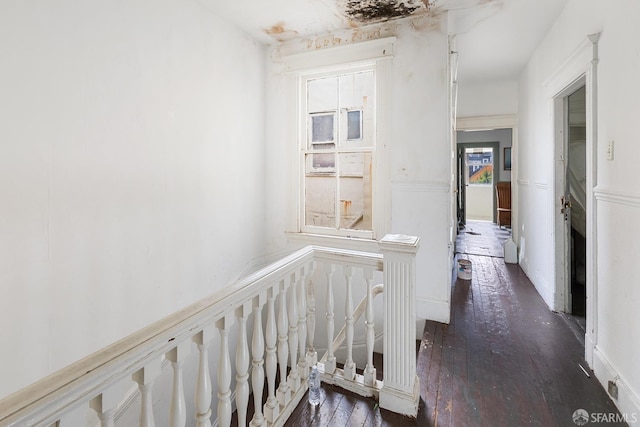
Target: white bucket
[464, 269]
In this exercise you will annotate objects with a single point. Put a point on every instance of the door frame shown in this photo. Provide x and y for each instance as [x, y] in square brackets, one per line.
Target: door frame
[581, 66]
[509, 121]
[562, 226]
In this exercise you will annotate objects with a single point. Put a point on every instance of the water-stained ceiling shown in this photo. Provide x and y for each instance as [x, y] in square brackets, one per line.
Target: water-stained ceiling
[494, 37]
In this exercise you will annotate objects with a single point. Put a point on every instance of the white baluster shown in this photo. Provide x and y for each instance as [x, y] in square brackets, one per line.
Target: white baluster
[203, 382]
[271, 409]
[370, 370]
[105, 405]
[303, 370]
[177, 409]
[312, 354]
[294, 377]
[284, 392]
[107, 418]
[257, 372]
[349, 365]
[242, 365]
[145, 377]
[330, 364]
[224, 372]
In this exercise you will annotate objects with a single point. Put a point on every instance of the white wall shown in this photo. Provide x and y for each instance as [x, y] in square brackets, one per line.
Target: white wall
[479, 200]
[476, 99]
[617, 348]
[131, 171]
[419, 140]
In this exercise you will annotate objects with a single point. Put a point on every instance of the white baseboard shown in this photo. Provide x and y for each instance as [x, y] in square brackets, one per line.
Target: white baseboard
[432, 309]
[628, 401]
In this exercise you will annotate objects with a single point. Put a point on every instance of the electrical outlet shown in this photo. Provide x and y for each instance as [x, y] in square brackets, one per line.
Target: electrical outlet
[612, 388]
[610, 150]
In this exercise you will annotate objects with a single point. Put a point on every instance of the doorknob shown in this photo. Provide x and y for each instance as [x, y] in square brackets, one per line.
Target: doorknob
[566, 204]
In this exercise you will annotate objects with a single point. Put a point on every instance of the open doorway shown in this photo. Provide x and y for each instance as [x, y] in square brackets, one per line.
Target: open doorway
[481, 164]
[571, 185]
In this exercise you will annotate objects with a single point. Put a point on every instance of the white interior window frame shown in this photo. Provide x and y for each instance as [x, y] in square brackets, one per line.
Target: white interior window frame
[373, 53]
[342, 146]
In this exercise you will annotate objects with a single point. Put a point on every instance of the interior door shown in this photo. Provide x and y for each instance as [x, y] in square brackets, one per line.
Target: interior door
[575, 200]
[572, 203]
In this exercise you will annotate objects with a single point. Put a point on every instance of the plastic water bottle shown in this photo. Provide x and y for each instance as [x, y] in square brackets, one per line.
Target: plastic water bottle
[314, 386]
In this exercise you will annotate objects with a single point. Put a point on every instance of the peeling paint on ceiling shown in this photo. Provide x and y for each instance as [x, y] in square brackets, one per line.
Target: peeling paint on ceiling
[368, 11]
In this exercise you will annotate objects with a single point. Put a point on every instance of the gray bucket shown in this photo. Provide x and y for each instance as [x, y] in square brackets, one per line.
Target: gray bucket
[464, 269]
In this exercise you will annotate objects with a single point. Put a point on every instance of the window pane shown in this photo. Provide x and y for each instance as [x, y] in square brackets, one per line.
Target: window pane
[324, 160]
[322, 94]
[320, 194]
[356, 205]
[356, 89]
[480, 166]
[322, 128]
[354, 124]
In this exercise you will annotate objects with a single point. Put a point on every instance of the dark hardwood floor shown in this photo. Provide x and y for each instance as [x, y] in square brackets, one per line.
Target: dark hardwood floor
[504, 360]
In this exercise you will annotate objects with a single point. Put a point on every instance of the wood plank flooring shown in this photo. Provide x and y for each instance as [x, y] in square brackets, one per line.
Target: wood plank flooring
[504, 360]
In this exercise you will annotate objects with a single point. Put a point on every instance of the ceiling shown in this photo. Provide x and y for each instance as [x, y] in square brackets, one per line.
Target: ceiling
[494, 38]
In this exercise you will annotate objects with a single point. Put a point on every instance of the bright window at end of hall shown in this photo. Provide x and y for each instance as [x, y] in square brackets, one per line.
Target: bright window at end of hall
[339, 124]
[479, 166]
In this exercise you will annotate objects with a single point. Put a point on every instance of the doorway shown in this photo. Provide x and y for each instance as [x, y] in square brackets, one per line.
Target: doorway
[576, 179]
[571, 186]
[476, 200]
[477, 178]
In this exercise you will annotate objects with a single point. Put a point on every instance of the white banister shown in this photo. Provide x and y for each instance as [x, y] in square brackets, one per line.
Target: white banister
[257, 350]
[330, 363]
[349, 364]
[271, 409]
[294, 377]
[401, 390]
[177, 409]
[285, 348]
[242, 365]
[145, 378]
[224, 372]
[283, 393]
[203, 380]
[370, 370]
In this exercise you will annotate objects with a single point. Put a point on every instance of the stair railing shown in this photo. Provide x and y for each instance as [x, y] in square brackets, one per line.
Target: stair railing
[284, 348]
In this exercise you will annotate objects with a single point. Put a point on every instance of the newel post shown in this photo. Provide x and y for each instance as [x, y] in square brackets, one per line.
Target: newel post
[401, 390]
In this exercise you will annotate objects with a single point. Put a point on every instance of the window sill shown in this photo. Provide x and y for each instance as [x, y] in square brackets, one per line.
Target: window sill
[340, 242]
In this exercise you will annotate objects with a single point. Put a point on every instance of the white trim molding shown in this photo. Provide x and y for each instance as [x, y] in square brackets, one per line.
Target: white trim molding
[580, 68]
[541, 185]
[340, 55]
[616, 197]
[486, 122]
[628, 401]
